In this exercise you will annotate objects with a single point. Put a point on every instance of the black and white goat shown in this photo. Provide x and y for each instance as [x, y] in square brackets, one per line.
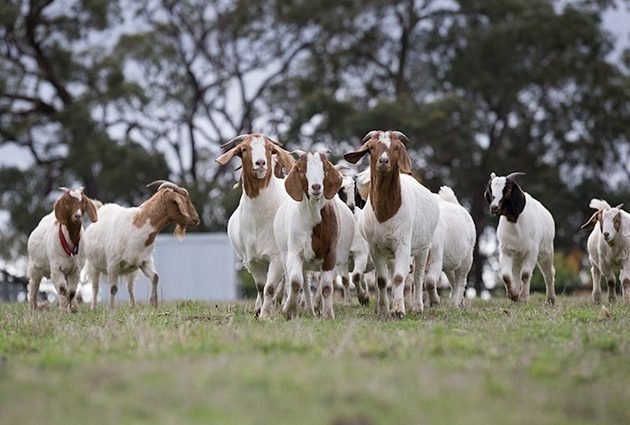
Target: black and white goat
[526, 231]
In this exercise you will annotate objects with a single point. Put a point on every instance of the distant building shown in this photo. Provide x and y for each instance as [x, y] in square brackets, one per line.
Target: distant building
[201, 267]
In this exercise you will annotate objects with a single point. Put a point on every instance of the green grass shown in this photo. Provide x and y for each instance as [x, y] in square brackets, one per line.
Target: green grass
[490, 363]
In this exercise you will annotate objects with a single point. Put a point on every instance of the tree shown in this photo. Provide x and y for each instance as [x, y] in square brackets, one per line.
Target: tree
[55, 84]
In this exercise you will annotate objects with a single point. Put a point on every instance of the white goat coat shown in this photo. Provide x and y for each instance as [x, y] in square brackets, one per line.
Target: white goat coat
[607, 260]
[451, 247]
[293, 231]
[250, 228]
[413, 224]
[115, 245]
[531, 237]
[46, 257]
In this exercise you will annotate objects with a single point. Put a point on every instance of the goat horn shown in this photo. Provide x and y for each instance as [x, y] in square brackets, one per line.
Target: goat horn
[401, 136]
[298, 152]
[275, 142]
[163, 184]
[620, 206]
[237, 139]
[64, 189]
[368, 136]
[515, 174]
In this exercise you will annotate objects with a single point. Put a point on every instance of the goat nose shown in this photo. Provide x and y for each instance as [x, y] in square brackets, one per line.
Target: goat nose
[261, 163]
[383, 160]
[606, 235]
[316, 187]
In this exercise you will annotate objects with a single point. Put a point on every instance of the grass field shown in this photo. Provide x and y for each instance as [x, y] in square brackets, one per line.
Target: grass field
[490, 363]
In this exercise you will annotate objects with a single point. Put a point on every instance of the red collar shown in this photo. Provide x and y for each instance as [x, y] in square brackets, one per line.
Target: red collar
[64, 244]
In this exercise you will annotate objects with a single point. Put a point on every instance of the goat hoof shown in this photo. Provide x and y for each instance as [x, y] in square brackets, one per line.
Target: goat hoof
[364, 300]
[551, 300]
[597, 298]
[398, 314]
[257, 312]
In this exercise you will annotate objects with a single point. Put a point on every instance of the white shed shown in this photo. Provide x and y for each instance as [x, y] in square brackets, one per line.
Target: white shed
[201, 267]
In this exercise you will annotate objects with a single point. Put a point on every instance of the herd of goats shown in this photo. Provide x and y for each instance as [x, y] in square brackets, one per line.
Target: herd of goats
[306, 218]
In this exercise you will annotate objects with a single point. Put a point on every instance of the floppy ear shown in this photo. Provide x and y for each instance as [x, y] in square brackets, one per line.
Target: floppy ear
[88, 205]
[227, 157]
[277, 170]
[284, 158]
[592, 221]
[332, 180]
[404, 162]
[354, 157]
[181, 206]
[293, 184]
[60, 210]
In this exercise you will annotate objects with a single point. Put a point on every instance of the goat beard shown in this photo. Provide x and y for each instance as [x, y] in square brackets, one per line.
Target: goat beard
[180, 232]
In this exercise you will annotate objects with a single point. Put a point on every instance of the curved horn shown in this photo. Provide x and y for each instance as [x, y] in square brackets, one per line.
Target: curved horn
[298, 152]
[275, 142]
[64, 189]
[235, 140]
[163, 184]
[620, 206]
[515, 174]
[368, 136]
[401, 136]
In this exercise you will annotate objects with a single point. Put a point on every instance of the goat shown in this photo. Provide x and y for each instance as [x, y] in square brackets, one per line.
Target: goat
[250, 227]
[122, 241]
[451, 248]
[308, 231]
[359, 251]
[399, 219]
[526, 231]
[609, 248]
[55, 250]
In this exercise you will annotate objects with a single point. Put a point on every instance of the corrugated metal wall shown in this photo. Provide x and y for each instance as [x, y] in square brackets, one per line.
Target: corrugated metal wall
[201, 267]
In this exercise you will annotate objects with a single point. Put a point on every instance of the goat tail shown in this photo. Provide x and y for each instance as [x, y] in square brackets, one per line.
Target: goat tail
[599, 204]
[447, 194]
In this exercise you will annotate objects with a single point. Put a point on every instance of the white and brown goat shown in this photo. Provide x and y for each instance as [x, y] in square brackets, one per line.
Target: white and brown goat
[250, 227]
[309, 234]
[122, 241]
[399, 219]
[609, 248]
[56, 248]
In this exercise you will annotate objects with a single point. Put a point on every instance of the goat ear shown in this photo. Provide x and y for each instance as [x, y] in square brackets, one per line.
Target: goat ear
[293, 184]
[487, 196]
[354, 157]
[404, 162]
[181, 206]
[332, 180]
[284, 158]
[60, 211]
[90, 208]
[591, 221]
[227, 157]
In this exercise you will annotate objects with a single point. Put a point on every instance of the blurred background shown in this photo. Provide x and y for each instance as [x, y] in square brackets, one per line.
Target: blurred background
[111, 95]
